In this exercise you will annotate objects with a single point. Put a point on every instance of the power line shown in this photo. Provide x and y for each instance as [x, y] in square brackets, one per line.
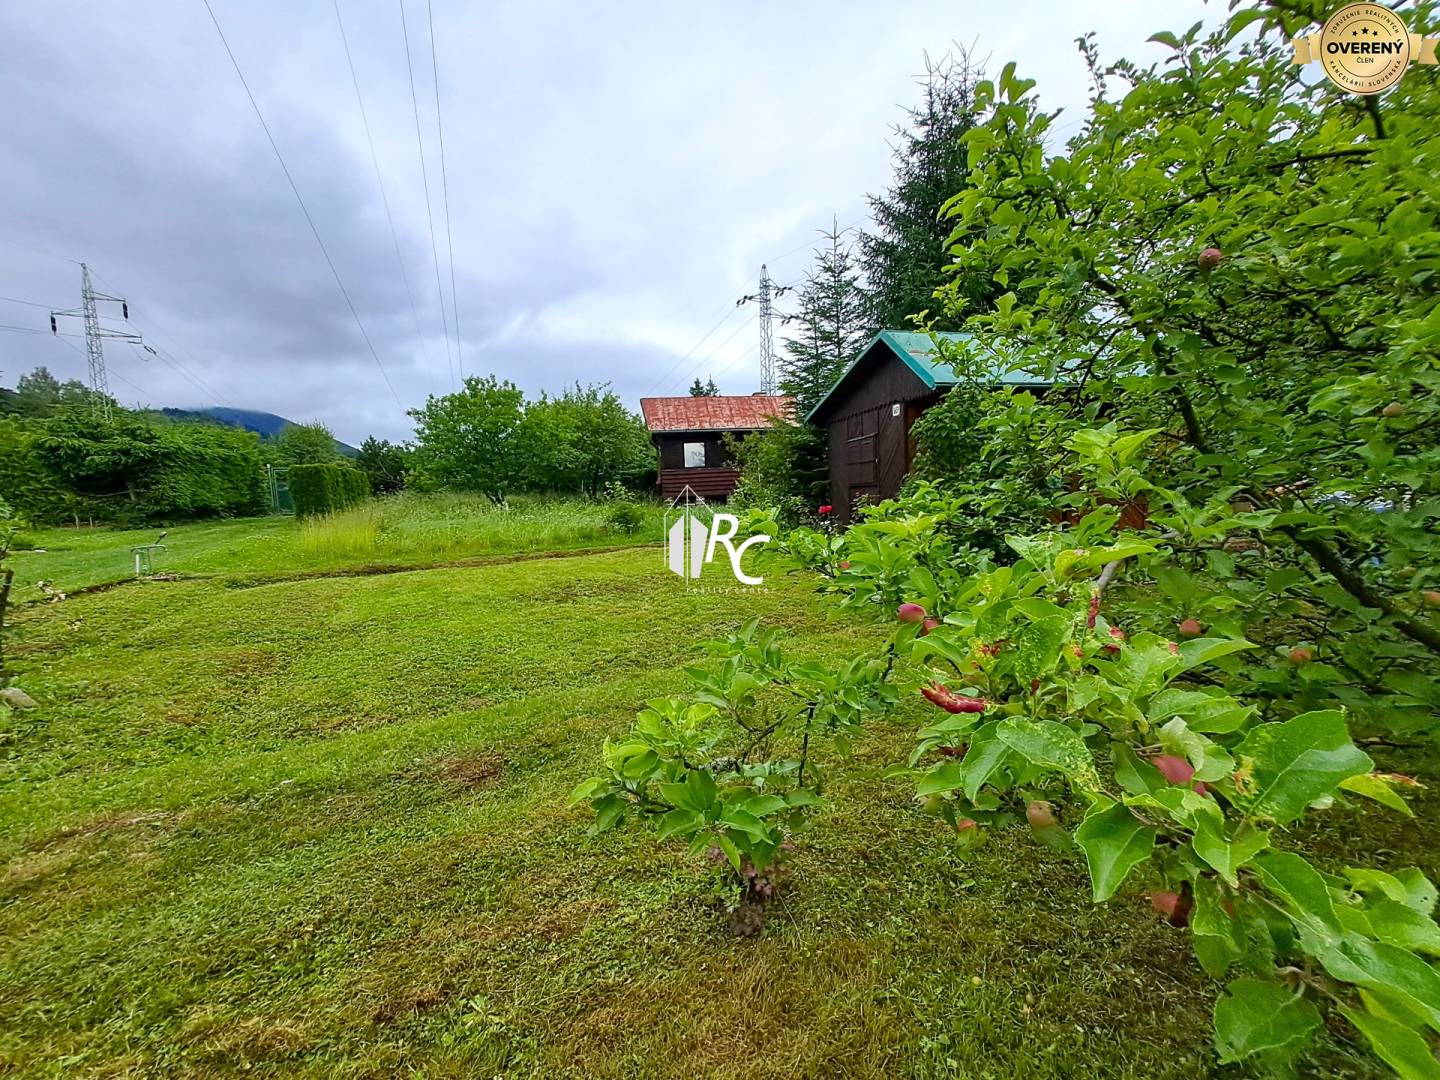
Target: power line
[192, 376]
[729, 313]
[75, 348]
[33, 330]
[38, 250]
[445, 189]
[27, 303]
[792, 251]
[379, 179]
[712, 353]
[303, 208]
[174, 366]
[425, 181]
[737, 359]
[133, 386]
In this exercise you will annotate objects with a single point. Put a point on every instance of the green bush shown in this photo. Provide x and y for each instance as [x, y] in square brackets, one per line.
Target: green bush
[324, 489]
[625, 515]
[783, 470]
[128, 468]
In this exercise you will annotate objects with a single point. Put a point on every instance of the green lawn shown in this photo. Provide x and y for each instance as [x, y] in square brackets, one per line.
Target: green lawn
[318, 828]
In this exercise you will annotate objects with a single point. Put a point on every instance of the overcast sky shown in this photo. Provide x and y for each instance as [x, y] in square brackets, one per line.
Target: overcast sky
[617, 173]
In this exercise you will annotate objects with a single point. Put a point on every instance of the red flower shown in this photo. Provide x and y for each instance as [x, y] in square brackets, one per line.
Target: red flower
[826, 508]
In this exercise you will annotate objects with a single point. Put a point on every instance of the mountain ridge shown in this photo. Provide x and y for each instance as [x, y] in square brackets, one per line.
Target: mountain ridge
[265, 424]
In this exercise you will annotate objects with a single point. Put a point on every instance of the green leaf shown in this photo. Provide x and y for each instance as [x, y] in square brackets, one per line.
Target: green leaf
[802, 797]
[1387, 969]
[1135, 776]
[1404, 927]
[1400, 1047]
[743, 822]
[941, 779]
[762, 805]
[1392, 1007]
[1036, 608]
[725, 844]
[1255, 1017]
[1214, 712]
[1420, 893]
[1372, 786]
[608, 812]
[1115, 842]
[1409, 887]
[1037, 647]
[1146, 663]
[947, 650]
[1123, 549]
[1183, 805]
[1217, 937]
[1051, 745]
[681, 822]
[1302, 890]
[589, 789]
[1226, 856]
[1205, 650]
[1298, 761]
[986, 754]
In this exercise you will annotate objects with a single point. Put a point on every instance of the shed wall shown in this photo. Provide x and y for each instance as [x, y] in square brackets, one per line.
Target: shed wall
[869, 439]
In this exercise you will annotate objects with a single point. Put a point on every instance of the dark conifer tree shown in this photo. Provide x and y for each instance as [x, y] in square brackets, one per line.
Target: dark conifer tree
[905, 254]
[831, 323]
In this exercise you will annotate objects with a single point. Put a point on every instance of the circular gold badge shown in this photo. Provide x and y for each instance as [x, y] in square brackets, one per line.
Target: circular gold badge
[1365, 48]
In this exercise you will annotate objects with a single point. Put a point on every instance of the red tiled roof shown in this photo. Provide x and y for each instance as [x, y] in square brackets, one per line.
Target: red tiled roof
[742, 413]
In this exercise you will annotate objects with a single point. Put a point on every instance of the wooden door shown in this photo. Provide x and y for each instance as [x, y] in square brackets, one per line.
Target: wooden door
[861, 461]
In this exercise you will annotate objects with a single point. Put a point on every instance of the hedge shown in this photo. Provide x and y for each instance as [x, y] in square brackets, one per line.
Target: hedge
[128, 469]
[323, 489]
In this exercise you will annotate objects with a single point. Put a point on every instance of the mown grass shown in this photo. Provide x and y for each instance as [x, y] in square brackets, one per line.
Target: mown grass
[319, 828]
[402, 530]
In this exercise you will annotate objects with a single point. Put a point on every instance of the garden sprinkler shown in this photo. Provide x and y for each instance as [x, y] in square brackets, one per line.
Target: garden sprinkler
[144, 554]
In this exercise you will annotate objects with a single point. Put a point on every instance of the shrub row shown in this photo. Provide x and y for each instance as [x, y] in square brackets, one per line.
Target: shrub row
[323, 489]
[128, 469]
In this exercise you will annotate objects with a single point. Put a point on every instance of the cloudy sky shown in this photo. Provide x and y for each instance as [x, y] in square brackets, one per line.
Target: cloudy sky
[616, 175]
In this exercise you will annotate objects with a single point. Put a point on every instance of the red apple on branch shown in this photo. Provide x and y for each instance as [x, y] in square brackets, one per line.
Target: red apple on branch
[1174, 906]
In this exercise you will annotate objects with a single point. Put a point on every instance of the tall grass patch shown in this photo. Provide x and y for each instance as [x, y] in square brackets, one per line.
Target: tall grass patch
[445, 526]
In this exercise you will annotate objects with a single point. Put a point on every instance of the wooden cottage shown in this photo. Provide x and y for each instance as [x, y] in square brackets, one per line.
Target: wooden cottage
[689, 437]
[872, 407]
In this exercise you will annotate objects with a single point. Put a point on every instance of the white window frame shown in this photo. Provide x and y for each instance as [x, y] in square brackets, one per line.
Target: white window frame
[688, 457]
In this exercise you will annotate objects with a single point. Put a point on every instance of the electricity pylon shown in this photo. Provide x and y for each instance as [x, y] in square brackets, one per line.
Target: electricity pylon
[94, 336]
[765, 297]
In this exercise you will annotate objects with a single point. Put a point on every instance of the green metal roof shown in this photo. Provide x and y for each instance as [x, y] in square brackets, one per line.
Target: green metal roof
[917, 351]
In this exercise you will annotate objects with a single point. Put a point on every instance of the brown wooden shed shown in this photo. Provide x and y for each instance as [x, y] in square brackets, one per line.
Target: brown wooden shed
[870, 410]
[689, 437]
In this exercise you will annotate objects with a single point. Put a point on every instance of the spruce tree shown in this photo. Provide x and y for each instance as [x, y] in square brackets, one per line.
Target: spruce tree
[905, 256]
[832, 325]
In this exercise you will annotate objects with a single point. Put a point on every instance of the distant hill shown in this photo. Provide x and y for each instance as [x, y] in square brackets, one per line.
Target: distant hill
[265, 424]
